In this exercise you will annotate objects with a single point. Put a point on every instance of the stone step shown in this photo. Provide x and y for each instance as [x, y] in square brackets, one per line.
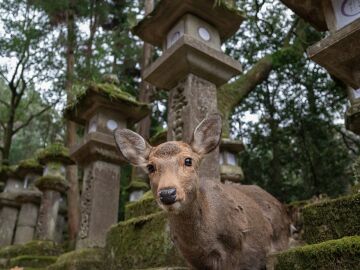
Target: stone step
[33, 248]
[82, 259]
[145, 206]
[331, 219]
[27, 261]
[140, 243]
[340, 254]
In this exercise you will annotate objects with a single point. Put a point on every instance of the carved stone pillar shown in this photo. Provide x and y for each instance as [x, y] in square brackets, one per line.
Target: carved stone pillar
[192, 64]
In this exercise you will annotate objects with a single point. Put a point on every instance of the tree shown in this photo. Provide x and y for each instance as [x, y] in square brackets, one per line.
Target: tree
[29, 45]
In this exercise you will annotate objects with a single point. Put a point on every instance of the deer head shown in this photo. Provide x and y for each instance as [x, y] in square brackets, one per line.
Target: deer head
[172, 166]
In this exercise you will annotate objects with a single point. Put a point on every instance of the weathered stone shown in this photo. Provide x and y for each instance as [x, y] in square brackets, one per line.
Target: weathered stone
[99, 203]
[26, 224]
[310, 10]
[154, 28]
[29, 261]
[341, 254]
[145, 206]
[48, 214]
[189, 55]
[51, 182]
[8, 217]
[56, 153]
[332, 219]
[84, 259]
[339, 53]
[231, 173]
[189, 103]
[352, 118]
[29, 167]
[141, 243]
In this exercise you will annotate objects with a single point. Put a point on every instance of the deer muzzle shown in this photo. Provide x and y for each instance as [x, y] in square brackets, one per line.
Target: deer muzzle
[167, 196]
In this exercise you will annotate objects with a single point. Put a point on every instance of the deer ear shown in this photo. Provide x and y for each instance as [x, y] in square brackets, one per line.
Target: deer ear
[132, 146]
[207, 134]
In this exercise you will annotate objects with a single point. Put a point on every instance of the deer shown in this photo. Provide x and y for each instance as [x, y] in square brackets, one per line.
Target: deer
[214, 225]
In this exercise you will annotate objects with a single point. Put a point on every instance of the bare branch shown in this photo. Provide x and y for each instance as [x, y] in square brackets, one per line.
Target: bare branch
[31, 117]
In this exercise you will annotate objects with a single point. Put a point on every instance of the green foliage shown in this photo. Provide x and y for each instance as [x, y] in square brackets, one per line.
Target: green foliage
[332, 219]
[343, 254]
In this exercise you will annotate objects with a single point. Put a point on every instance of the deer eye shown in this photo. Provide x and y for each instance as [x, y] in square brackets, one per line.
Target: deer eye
[151, 168]
[188, 162]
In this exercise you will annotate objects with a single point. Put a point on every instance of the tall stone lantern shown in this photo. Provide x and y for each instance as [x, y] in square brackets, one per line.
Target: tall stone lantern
[229, 168]
[101, 109]
[9, 207]
[192, 64]
[53, 186]
[338, 52]
[29, 198]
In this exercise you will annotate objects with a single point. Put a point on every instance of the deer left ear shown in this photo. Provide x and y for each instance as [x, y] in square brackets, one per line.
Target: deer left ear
[207, 134]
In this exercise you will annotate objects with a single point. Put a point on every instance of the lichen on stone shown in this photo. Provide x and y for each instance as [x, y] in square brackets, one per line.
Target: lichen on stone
[145, 206]
[32, 261]
[50, 182]
[137, 184]
[141, 242]
[83, 259]
[29, 165]
[54, 152]
[332, 219]
[341, 254]
[34, 248]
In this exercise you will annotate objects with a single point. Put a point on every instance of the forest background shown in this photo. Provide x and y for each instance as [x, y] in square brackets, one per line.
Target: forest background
[287, 110]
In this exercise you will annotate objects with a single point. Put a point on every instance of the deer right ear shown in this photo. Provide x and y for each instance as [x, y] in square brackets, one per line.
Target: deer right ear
[132, 146]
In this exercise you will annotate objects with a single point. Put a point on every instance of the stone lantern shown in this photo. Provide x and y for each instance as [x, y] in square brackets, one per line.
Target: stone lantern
[29, 198]
[338, 52]
[9, 207]
[53, 185]
[229, 168]
[101, 109]
[192, 64]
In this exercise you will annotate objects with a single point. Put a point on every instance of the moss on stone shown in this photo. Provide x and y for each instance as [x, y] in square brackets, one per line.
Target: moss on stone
[32, 261]
[332, 219]
[137, 184]
[34, 248]
[50, 182]
[29, 166]
[159, 138]
[55, 152]
[145, 206]
[8, 171]
[341, 254]
[141, 242]
[83, 259]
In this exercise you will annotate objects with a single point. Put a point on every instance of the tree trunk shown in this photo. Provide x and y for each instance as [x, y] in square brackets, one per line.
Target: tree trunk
[90, 41]
[71, 171]
[146, 89]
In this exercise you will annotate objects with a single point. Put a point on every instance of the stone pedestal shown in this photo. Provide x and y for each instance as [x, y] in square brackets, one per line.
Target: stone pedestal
[230, 169]
[99, 204]
[53, 185]
[9, 207]
[102, 109]
[189, 102]
[192, 65]
[8, 217]
[27, 220]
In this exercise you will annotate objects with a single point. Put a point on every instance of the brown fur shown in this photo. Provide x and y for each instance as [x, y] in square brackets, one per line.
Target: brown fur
[215, 226]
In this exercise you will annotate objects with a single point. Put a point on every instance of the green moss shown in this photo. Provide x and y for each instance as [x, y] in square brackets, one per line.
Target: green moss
[54, 152]
[342, 254]
[30, 165]
[83, 259]
[332, 219]
[145, 206]
[159, 138]
[141, 243]
[137, 184]
[49, 182]
[32, 261]
[8, 171]
[34, 248]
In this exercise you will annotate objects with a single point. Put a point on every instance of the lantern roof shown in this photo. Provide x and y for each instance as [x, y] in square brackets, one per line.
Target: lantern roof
[309, 10]
[108, 96]
[155, 26]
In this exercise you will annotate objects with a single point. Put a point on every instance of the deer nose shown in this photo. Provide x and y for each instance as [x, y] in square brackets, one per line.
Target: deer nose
[167, 195]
